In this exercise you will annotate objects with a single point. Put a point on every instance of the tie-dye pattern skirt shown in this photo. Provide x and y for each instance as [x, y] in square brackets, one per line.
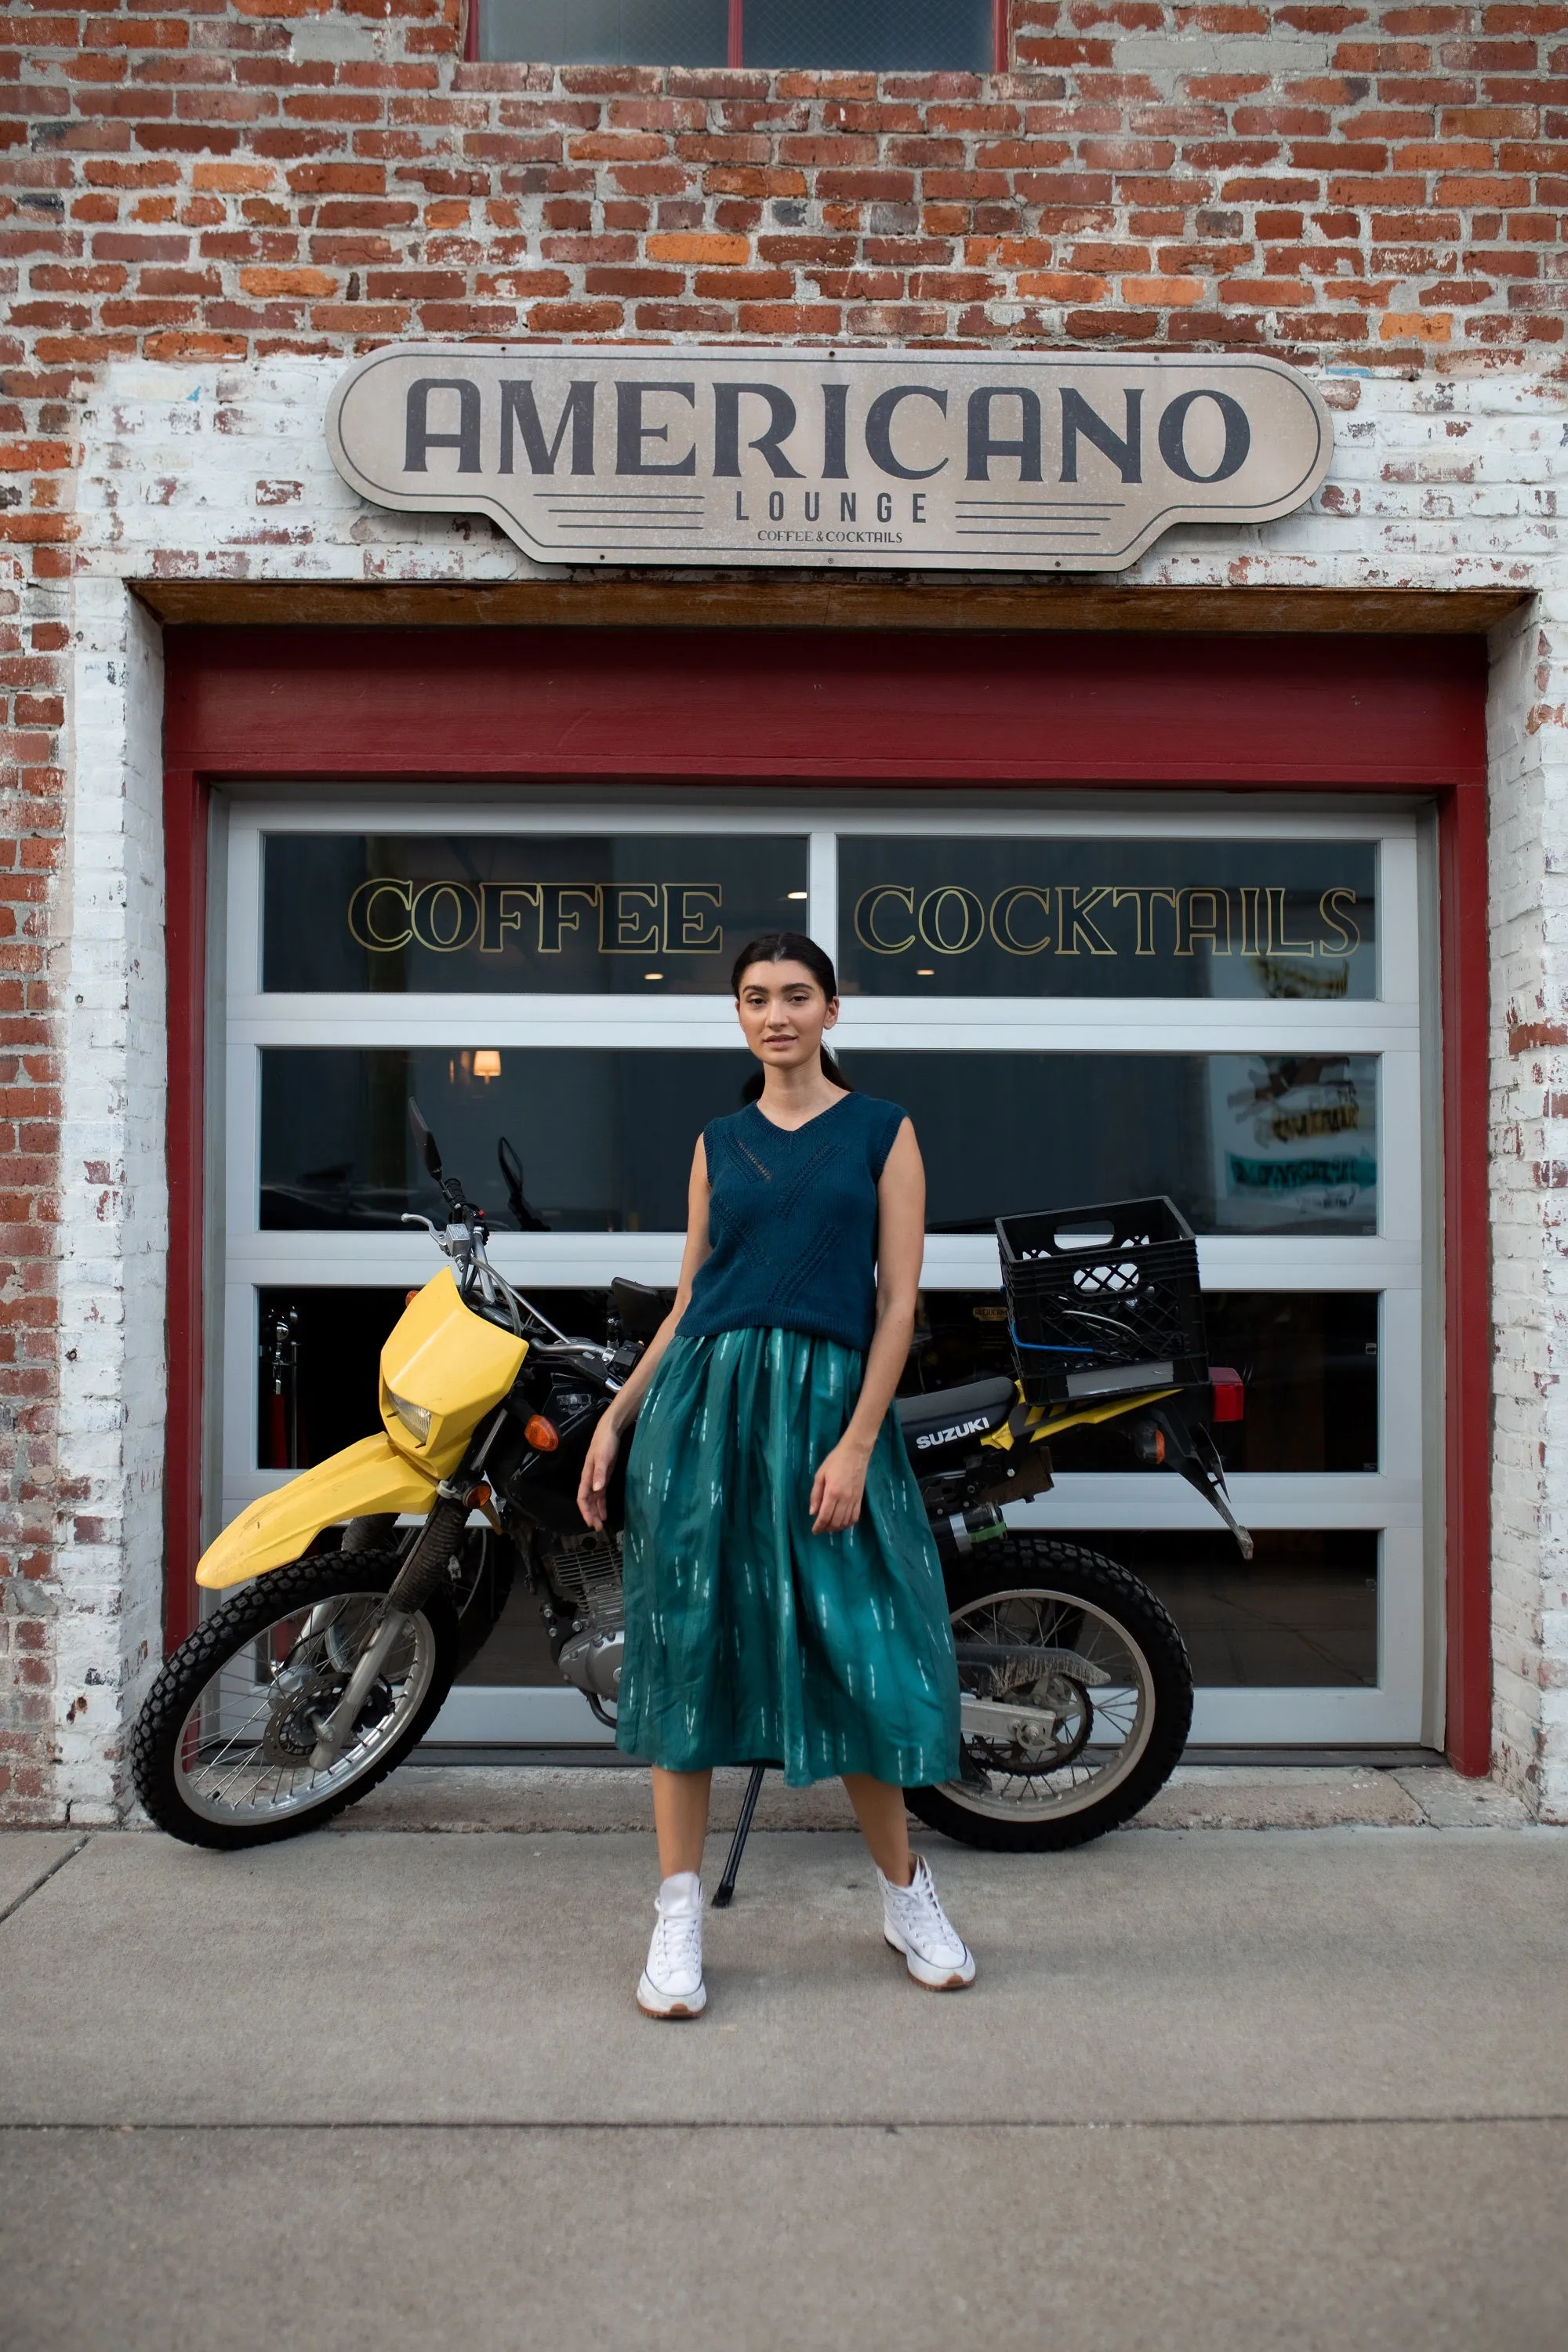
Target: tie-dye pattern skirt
[748, 1638]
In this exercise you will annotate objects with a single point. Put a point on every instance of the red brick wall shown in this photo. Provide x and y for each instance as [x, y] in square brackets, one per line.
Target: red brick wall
[187, 187]
[1371, 185]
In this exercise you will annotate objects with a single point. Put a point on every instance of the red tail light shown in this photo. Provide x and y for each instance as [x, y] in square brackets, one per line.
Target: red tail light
[1229, 1395]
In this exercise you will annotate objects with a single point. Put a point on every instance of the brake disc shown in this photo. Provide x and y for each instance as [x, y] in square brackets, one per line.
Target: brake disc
[298, 1695]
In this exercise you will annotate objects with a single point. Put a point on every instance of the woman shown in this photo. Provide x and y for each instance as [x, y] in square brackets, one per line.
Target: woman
[783, 1597]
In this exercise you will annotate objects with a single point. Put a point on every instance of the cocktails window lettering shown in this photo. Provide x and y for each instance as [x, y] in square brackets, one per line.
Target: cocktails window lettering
[1070, 919]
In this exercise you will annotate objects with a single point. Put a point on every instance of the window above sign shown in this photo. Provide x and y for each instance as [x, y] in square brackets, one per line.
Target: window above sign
[853, 35]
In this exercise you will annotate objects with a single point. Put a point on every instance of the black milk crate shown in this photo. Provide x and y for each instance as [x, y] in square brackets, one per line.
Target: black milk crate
[1102, 1300]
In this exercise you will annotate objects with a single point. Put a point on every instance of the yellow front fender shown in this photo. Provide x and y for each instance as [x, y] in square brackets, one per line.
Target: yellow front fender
[362, 1480]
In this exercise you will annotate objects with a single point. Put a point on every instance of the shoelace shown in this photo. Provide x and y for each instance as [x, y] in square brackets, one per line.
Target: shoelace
[921, 1907]
[677, 1942]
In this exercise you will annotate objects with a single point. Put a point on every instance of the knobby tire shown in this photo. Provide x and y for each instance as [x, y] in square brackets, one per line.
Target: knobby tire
[1041, 1564]
[230, 1629]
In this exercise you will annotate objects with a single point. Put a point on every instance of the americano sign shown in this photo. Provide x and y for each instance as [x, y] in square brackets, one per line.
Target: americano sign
[1013, 461]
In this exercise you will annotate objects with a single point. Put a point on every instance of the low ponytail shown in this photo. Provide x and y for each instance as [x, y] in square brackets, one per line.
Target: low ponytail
[790, 947]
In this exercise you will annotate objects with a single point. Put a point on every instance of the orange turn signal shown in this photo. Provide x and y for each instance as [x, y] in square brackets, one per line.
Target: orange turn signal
[542, 1434]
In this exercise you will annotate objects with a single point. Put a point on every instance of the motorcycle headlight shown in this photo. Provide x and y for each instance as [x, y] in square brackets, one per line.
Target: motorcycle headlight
[416, 1418]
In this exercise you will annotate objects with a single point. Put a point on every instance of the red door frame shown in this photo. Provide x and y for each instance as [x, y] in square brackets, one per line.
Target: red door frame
[1400, 715]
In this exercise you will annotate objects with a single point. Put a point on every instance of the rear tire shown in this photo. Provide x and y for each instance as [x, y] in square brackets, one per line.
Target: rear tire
[1104, 1761]
[219, 1757]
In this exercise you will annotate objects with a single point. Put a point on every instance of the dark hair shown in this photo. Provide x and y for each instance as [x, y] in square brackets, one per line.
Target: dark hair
[790, 947]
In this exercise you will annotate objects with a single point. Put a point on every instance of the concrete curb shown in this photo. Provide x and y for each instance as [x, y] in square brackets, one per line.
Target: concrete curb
[537, 1799]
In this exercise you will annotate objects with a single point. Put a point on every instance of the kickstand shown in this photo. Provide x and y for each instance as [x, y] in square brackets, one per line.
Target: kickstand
[725, 1893]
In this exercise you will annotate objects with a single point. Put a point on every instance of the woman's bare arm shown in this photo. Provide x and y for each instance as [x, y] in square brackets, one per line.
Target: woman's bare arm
[618, 1417]
[840, 1483]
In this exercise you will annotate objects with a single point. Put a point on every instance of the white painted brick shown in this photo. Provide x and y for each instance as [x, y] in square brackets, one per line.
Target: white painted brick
[1435, 484]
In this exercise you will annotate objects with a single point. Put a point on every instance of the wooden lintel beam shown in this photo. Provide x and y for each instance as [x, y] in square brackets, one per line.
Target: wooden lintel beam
[773, 604]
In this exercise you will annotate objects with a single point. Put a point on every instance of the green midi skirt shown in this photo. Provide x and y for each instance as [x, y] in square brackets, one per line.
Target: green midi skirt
[748, 1638]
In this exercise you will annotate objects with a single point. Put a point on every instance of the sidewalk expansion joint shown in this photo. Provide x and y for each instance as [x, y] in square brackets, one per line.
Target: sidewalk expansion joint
[42, 1879]
[606, 2126]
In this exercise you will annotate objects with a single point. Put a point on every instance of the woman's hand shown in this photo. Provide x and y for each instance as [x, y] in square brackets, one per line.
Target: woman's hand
[597, 1465]
[839, 1487]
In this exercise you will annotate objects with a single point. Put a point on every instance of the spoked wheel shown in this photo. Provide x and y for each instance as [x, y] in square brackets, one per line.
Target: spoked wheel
[1076, 1698]
[222, 1750]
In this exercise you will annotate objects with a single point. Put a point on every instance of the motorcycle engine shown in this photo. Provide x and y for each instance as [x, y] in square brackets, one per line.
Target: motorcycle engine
[584, 1574]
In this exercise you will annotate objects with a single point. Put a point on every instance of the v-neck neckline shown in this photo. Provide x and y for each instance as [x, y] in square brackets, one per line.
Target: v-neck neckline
[814, 1120]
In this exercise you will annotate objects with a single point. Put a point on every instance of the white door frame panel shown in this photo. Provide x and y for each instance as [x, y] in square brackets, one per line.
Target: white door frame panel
[1396, 1262]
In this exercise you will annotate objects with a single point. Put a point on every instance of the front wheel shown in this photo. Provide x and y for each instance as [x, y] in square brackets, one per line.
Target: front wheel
[221, 1751]
[1076, 1698]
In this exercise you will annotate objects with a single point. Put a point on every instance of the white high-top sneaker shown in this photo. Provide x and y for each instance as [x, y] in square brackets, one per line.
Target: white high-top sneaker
[915, 1923]
[671, 1985]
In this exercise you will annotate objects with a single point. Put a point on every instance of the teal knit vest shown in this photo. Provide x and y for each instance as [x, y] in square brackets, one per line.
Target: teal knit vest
[792, 1222]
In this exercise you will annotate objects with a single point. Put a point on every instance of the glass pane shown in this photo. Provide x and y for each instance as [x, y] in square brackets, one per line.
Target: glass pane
[605, 32]
[1302, 1613]
[317, 1370]
[1243, 1143]
[640, 914]
[320, 1350]
[318, 1356]
[517, 1655]
[1309, 1360]
[870, 36]
[605, 1137]
[971, 916]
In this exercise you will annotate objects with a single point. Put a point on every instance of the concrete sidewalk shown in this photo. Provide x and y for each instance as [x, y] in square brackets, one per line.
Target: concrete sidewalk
[1214, 2089]
[586, 1796]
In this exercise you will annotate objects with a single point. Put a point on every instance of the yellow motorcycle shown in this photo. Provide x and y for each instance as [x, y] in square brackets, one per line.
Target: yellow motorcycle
[356, 1593]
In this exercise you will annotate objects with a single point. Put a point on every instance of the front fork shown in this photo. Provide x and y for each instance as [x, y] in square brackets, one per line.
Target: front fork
[412, 1587]
[331, 1730]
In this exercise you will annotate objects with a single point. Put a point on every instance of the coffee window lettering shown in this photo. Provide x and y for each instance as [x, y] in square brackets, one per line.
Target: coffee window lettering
[511, 914]
[1010, 917]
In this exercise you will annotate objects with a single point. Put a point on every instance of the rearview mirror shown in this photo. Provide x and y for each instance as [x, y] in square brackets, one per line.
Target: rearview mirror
[527, 1219]
[422, 1136]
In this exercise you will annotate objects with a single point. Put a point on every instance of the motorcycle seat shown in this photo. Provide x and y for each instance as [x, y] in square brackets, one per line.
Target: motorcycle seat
[641, 1306]
[950, 1417]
